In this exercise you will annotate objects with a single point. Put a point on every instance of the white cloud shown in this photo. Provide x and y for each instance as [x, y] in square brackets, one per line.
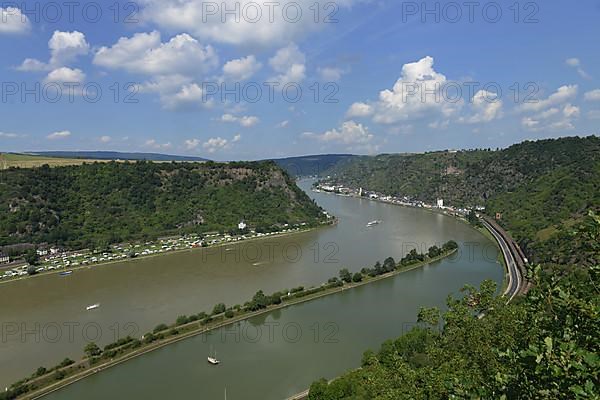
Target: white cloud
[59, 135]
[571, 111]
[576, 63]
[289, 63]
[192, 144]
[417, 93]
[31, 64]
[573, 62]
[561, 96]
[212, 145]
[13, 21]
[65, 75]
[145, 53]
[236, 138]
[554, 119]
[358, 110]
[152, 143]
[245, 121]
[274, 27]
[350, 133]
[105, 139]
[190, 95]
[9, 135]
[592, 95]
[283, 124]
[65, 48]
[486, 108]
[242, 68]
[330, 74]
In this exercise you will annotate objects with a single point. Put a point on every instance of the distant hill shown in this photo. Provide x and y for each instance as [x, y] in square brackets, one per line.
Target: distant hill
[115, 155]
[312, 165]
[542, 189]
[108, 202]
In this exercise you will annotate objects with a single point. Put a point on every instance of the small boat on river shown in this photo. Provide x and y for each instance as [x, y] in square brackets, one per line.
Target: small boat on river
[213, 359]
[92, 307]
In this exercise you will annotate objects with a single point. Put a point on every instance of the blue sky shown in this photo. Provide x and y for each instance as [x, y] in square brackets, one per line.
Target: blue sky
[378, 76]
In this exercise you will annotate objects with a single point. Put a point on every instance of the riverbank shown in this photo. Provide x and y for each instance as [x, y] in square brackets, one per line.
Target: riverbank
[171, 334]
[233, 242]
[458, 217]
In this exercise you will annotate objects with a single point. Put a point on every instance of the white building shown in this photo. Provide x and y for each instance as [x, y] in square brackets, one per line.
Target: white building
[242, 225]
[440, 203]
[41, 252]
[4, 258]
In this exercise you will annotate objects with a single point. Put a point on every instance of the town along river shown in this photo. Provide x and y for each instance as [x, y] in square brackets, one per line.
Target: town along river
[268, 357]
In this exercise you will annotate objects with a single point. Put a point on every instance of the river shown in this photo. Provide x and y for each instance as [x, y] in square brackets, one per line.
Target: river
[269, 357]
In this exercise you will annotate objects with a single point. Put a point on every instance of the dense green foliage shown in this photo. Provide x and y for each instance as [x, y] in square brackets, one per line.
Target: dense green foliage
[102, 203]
[544, 345]
[542, 189]
[312, 165]
[543, 348]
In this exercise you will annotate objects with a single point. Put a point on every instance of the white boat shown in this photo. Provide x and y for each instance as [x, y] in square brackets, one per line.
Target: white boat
[373, 223]
[92, 307]
[213, 359]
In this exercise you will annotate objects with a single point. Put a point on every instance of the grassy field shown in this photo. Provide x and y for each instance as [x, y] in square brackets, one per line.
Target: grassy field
[8, 160]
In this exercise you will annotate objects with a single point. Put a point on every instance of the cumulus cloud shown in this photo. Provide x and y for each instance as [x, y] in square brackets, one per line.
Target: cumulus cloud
[13, 21]
[358, 110]
[289, 63]
[562, 95]
[274, 27]
[192, 144]
[213, 145]
[244, 121]
[65, 48]
[145, 53]
[190, 95]
[419, 92]
[154, 144]
[105, 139]
[59, 135]
[555, 119]
[241, 69]
[486, 107]
[592, 95]
[65, 75]
[350, 133]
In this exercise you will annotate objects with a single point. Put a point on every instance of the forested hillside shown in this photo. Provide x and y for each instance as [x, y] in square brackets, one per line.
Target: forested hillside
[542, 189]
[541, 346]
[101, 203]
[312, 165]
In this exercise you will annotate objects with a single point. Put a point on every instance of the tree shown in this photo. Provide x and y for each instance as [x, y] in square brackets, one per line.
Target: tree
[357, 277]
[345, 275]
[92, 350]
[389, 264]
[31, 270]
[219, 309]
[32, 257]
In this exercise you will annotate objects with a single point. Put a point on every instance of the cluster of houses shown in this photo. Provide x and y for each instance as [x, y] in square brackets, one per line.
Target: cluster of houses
[59, 260]
[400, 200]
